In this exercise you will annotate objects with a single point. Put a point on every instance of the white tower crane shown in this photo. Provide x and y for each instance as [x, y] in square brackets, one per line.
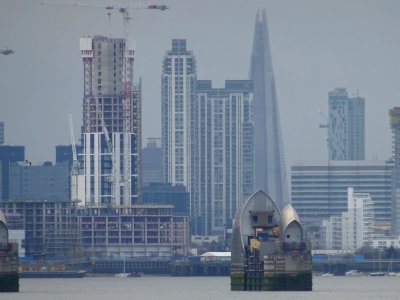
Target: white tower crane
[75, 162]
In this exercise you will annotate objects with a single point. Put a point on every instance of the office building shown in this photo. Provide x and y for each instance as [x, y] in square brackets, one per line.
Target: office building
[346, 129]
[39, 182]
[270, 172]
[64, 153]
[152, 162]
[8, 155]
[167, 194]
[111, 130]
[223, 143]
[319, 190]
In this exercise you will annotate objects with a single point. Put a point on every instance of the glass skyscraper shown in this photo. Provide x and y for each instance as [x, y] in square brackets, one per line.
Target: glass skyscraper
[270, 172]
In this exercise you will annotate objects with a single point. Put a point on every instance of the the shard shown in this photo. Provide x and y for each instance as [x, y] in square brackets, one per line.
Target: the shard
[270, 172]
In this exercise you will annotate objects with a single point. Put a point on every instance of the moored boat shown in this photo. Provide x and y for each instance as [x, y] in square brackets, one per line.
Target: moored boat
[353, 273]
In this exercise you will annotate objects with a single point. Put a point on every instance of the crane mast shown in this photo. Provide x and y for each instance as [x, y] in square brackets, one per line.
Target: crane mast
[129, 100]
[75, 162]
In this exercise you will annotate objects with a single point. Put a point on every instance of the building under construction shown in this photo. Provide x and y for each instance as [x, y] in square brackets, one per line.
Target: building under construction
[111, 130]
[62, 230]
[51, 227]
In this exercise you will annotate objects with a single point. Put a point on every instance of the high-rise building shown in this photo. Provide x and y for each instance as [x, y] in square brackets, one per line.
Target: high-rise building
[353, 229]
[319, 189]
[1, 133]
[166, 193]
[178, 85]
[358, 221]
[223, 143]
[270, 172]
[394, 118]
[111, 130]
[346, 132]
[152, 162]
[8, 155]
[64, 153]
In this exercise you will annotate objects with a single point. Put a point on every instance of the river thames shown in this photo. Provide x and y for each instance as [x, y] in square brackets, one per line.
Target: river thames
[192, 288]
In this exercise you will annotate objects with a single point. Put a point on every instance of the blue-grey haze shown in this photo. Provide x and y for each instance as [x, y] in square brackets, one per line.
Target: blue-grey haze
[316, 46]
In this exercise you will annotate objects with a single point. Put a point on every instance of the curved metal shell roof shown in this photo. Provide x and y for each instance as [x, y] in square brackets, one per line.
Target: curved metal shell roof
[288, 215]
[3, 218]
[242, 227]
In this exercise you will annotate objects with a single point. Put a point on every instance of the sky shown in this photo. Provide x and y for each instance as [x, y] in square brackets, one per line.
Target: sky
[316, 45]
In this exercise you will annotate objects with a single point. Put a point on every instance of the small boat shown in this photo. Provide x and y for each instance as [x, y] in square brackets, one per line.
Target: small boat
[123, 275]
[353, 273]
[379, 273]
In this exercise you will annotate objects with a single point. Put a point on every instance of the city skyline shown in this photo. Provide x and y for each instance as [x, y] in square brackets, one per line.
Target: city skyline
[308, 62]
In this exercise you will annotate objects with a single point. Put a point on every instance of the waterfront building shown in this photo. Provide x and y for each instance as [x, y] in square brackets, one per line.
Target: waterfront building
[151, 162]
[166, 193]
[353, 229]
[111, 130]
[270, 170]
[133, 231]
[358, 221]
[319, 189]
[331, 233]
[346, 129]
[39, 182]
[223, 143]
[60, 229]
[385, 242]
[8, 155]
[50, 227]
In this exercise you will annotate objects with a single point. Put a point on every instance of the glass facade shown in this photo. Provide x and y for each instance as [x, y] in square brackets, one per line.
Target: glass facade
[319, 190]
[270, 167]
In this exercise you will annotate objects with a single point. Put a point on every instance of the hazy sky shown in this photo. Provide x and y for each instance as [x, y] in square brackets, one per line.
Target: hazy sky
[316, 46]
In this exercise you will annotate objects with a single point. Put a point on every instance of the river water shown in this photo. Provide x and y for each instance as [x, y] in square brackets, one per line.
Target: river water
[193, 288]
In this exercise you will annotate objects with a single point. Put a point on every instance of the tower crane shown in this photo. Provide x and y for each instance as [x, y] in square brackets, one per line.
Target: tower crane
[324, 125]
[326, 121]
[75, 162]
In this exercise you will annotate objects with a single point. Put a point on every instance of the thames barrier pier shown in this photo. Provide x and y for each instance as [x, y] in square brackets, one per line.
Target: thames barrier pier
[9, 278]
[268, 250]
